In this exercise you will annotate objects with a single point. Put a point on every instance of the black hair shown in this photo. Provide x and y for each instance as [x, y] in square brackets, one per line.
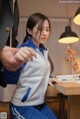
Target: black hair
[51, 64]
[33, 20]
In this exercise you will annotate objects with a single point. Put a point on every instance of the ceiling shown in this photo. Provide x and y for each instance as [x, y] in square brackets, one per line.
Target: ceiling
[51, 8]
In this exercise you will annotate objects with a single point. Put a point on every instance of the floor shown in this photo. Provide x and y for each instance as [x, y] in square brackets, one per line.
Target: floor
[54, 105]
[4, 107]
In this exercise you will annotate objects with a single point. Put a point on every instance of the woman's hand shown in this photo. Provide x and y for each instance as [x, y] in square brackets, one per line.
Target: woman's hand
[52, 81]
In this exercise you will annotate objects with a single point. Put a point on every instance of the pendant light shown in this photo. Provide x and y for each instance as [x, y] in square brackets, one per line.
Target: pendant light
[68, 36]
[77, 17]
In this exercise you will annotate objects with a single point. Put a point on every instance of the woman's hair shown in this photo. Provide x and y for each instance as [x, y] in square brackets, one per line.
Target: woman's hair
[31, 23]
[51, 64]
[33, 20]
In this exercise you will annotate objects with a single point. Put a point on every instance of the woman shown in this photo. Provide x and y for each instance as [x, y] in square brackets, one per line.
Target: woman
[28, 98]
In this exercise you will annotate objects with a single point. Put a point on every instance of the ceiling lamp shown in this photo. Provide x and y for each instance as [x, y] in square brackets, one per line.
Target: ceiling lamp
[77, 17]
[68, 36]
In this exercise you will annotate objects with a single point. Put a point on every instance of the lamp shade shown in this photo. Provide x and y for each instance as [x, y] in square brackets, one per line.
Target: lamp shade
[77, 17]
[68, 36]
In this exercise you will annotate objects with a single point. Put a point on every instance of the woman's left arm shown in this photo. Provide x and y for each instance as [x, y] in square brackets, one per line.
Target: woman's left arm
[52, 81]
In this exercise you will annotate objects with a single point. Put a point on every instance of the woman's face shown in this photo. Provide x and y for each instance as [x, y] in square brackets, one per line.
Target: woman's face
[40, 36]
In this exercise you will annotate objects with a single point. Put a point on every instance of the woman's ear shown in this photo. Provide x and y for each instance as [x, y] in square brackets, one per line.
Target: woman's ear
[29, 31]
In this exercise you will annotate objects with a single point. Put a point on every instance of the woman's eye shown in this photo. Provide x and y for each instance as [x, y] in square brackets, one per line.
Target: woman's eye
[47, 30]
[40, 29]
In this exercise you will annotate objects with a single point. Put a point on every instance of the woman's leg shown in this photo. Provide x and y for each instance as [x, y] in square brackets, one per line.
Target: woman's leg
[47, 112]
[30, 112]
[25, 112]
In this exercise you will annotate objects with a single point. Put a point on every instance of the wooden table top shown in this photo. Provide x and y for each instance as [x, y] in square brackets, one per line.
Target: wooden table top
[68, 88]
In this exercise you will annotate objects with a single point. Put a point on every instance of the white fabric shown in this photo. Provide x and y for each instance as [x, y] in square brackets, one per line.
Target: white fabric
[35, 75]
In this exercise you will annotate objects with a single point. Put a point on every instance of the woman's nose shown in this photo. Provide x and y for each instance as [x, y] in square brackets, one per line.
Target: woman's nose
[44, 32]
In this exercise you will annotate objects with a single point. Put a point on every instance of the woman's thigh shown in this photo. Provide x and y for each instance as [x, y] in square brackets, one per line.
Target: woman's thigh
[25, 112]
[29, 112]
[47, 112]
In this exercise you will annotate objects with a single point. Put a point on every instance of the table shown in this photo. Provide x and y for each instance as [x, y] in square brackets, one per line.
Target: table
[72, 90]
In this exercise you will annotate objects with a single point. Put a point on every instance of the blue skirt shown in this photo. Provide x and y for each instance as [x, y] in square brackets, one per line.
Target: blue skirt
[31, 112]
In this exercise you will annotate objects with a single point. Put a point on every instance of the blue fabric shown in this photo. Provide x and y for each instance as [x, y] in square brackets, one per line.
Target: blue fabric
[10, 77]
[26, 95]
[50, 76]
[30, 43]
[30, 112]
